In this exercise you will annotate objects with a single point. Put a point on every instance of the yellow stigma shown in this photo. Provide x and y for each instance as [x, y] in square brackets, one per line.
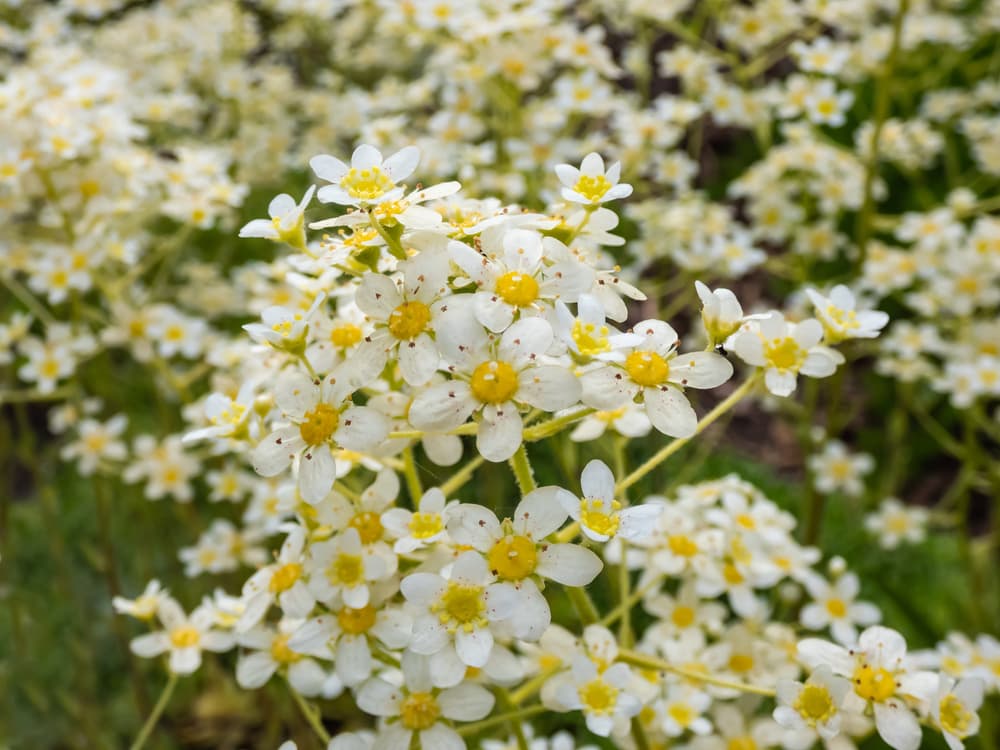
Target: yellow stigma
[425, 525]
[366, 184]
[319, 424]
[369, 527]
[590, 339]
[409, 320]
[682, 616]
[461, 605]
[682, 545]
[356, 621]
[955, 718]
[518, 289]
[280, 651]
[741, 663]
[836, 607]
[744, 742]
[593, 517]
[419, 711]
[815, 704]
[513, 558]
[285, 577]
[647, 368]
[185, 636]
[681, 713]
[346, 335]
[494, 382]
[592, 188]
[874, 684]
[598, 697]
[784, 354]
[731, 574]
[346, 570]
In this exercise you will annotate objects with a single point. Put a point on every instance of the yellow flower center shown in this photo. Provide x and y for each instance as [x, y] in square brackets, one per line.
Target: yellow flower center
[784, 354]
[682, 545]
[590, 339]
[319, 424]
[494, 382]
[592, 188]
[742, 743]
[280, 651]
[682, 616]
[593, 517]
[419, 711]
[647, 368]
[513, 557]
[346, 335]
[598, 697]
[682, 713]
[369, 527]
[346, 570]
[185, 636]
[836, 607]
[356, 621]
[731, 574]
[409, 320]
[874, 684]
[955, 718]
[518, 289]
[425, 525]
[366, 184]
[461, 605]
[815, 704]
[741, 663]
[285, 577]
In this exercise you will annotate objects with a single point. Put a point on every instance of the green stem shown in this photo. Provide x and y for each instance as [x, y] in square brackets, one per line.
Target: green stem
[521, 467]
[508, 704]
[651, 662]
[671, 448]
[395, 246]
[551, 427]
[413, 485]
[461, 476]
[154, 717]
[311, 716]
[522, 713]
[583, 603]
[883, 86]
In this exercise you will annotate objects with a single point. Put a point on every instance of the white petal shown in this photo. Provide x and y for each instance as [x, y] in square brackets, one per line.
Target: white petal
[275, 452]
[542, 511]
[362, 428]
[897, 725]
[525, 340]
[401, 164]
[442, 407]
[597, 481]
[473, 647]
[670, 412]
[548, 387]
[568, 564]
[317, 471]
[354, 659]
[466, 703]
[379, 698]
[254, 670]
[500, 433]
[700, 370]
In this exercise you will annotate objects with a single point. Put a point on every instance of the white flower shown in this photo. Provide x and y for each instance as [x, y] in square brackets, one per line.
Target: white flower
[286, 223]
[654, 369]
[834, 606]
[227, 417]
[895, 523]
[404, 319]
[784, 349]
[518, 553]
[681, 711]
[144, 606]
[721, 312]
[629, 420]
[350, 635]
[518, 282]
[369, 180]
[840, 319]
[814, 706]
[418, 707]
[183, 637]
[587, 333]
[602, 695]
[97, 441]
[955, 709]
[591, 184]
[322, 418]
[340, 570]
[600, 516]
[416, 530]
[835, 469]
[827, 106]
[284, 329]
[455, 614]
[500, 377]
[269, 653]
[880, 675]
[282, 580]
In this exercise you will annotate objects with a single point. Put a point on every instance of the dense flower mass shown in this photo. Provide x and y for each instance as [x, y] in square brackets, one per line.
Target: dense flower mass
[428, 330]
